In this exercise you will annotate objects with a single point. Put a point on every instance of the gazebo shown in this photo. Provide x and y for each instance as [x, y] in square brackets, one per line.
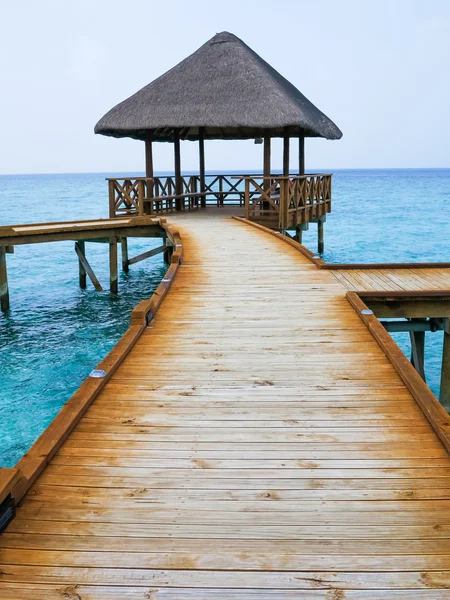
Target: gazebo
[223, 91]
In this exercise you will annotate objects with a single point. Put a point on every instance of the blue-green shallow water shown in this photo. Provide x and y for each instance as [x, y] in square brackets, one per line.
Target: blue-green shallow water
[56, 333]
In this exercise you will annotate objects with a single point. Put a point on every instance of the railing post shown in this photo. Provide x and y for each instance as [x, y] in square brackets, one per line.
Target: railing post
[141, 197]
[112, 202]
[247, 199]
[282, 217]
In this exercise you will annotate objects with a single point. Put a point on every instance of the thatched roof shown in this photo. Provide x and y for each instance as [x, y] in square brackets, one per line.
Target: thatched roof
[225, 88]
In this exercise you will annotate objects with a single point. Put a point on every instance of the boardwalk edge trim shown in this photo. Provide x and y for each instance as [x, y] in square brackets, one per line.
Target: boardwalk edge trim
[17, 481]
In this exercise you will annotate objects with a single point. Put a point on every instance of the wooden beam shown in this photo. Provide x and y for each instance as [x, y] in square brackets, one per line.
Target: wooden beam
[88, 268]
[444, 394]
[4, 291]
[286, 141]
[81, 269]
[413, 309]
[147, 254]
[178, 181]
[125, 261]
[266, 169]
[201, 154]
[301, 155]
[113, 271]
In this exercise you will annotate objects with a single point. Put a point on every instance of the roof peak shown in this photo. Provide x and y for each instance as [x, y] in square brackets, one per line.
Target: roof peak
[224, 36]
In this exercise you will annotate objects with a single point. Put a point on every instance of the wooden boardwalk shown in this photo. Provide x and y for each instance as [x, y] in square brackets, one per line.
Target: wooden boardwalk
[255, 444]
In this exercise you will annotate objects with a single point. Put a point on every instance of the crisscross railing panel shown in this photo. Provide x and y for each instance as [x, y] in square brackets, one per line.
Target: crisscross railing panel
[279, 201]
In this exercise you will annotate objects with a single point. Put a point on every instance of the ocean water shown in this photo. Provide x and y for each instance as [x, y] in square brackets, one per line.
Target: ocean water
[55, 333]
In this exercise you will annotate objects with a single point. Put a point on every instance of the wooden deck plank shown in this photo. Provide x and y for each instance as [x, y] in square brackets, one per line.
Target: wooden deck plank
[255, 443]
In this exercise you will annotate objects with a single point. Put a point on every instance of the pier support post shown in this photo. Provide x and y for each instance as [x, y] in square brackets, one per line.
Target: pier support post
[4, 291]
[298, 234]
[125, 264]
[81, 269]
[418, 351]
[444, 394]
[113, 272]
[320, 236]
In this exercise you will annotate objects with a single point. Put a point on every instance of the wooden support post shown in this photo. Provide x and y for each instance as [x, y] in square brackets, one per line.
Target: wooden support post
[286, 141]
[266, 170]
[320, 236]
[201, 154]
[167, 252]
[112, 201]
[149, 172]
[4, 291]
[247, 199]
[301, 155]
[87, 267]
[178, 181]
[125, 263]
[81, 269]
[113, 272]
[418, 351]
[298, 234]
[444, 394]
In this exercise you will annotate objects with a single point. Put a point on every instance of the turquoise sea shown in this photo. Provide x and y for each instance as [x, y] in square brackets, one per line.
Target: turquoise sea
[56, 333]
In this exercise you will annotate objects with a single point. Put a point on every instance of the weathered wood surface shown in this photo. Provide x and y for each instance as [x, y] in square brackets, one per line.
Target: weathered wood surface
[255, 443]
[394, 280]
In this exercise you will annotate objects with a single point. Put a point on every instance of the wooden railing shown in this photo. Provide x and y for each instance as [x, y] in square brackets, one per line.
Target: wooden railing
[283, 202]
[279, 202]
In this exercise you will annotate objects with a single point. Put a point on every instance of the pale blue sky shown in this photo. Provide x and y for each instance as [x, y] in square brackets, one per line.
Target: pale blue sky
[379, 69]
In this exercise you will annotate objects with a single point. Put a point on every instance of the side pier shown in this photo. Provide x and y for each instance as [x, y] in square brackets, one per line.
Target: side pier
[109, 231]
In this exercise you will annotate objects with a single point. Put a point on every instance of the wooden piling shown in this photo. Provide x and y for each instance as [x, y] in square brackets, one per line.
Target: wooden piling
[125, 263]
[298, 234]
[4, 291]
[81, 269]
[113, 271]
[86, 266]
[418, 351]
[320, 236]
[444, 394]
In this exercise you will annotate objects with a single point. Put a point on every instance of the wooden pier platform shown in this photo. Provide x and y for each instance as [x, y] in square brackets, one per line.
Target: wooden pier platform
[256, 443]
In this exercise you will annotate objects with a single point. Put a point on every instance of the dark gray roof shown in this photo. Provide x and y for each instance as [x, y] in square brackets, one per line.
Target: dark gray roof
[227, 89]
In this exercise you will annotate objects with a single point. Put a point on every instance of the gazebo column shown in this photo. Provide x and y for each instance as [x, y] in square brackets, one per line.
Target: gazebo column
[201, 155]
[301, 155]
[266, 170]
[178, 180]
[149, 173]
[286, 140]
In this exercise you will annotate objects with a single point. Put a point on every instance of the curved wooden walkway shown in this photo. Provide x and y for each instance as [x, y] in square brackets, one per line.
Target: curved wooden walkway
[255, 444]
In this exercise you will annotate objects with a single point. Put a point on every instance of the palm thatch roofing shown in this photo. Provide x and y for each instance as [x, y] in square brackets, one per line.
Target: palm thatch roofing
[224, 89]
